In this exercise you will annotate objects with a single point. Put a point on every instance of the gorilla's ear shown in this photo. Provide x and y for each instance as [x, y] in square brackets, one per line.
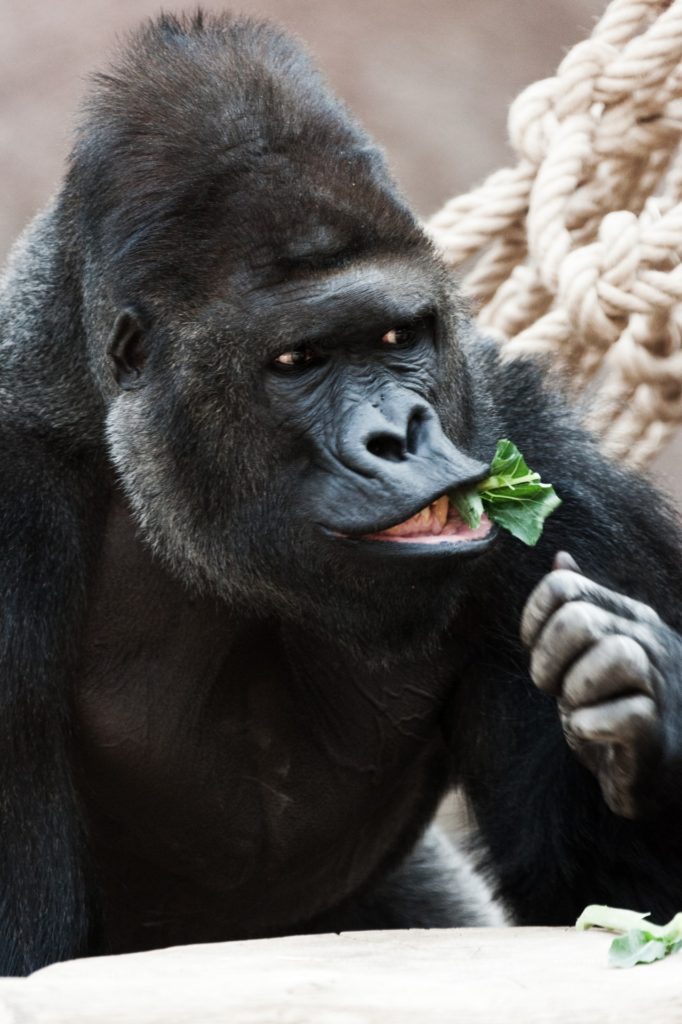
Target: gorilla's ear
[127, 352]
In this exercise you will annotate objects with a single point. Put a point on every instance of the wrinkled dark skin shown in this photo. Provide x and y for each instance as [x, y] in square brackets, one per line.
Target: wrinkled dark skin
[230, 354]
[615, 669]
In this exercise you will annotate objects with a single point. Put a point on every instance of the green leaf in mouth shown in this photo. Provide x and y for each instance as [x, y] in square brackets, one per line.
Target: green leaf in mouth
[512, 495]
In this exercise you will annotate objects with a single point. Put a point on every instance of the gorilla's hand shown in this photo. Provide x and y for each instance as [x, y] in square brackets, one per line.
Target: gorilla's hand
[616, 670]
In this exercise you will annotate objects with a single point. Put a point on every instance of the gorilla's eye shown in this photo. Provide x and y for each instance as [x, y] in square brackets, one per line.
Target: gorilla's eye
[297, 359]
[406, 336]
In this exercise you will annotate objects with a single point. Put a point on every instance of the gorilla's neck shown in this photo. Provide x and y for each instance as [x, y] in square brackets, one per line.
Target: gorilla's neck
[332, 672]
[366, 635]
[379, 621]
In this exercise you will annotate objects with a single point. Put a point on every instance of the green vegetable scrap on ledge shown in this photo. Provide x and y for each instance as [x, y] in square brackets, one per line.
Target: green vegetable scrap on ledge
[512, 496]
[642, 941]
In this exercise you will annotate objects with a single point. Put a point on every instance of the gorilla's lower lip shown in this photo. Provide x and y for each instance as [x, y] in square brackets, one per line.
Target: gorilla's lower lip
[436, 527]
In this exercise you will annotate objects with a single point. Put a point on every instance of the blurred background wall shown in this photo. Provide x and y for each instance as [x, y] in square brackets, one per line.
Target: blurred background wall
[431, 79]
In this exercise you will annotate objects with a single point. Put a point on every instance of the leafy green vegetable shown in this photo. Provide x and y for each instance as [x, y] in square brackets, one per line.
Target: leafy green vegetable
[636, 947]
[470, 506]
[513, 496]
[642, 943]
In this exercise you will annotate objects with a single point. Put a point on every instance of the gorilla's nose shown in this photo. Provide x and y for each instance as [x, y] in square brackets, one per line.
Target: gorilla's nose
[403, 441]
[393, 443]
[369, 439]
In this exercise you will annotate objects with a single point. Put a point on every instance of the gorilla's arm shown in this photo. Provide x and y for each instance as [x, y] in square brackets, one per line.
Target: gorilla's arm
[577, 780]
[434, 886]
[49, 508]
[47, 504]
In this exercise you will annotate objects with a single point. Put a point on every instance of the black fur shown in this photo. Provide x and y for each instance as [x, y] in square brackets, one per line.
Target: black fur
[221, 719]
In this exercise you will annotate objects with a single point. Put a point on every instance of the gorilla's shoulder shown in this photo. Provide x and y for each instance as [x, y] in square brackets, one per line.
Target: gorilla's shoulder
[530, 394]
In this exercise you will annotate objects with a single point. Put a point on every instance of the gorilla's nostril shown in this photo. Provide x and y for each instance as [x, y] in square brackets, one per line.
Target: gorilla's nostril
[387, 446]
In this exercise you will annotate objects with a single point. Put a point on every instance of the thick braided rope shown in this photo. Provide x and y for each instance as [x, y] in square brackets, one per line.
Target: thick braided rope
[576, 252]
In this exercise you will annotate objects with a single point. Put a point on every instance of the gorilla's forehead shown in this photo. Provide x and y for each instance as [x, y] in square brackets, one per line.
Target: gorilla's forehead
[314, 243]
[259, 237]
[311, 300]
[371, 293]
[226, 150]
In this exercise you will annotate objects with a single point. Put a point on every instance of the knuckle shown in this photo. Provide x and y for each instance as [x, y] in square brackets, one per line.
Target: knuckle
[579, 617]
[534, 616]
[627, 721]
[581, 686]
[640, 727]
[642, 710]
[539, 669]
[625, 652]
[612, 667]
[555, 589]
[564, 585]
[645, 613]
[529, 617]
[653, 638]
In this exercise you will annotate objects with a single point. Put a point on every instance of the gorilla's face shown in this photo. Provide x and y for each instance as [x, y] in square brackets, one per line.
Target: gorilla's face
[301, 450]
[358, 400]
[293, 405]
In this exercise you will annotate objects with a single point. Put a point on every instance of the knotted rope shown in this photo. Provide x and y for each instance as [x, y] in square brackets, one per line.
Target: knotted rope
[576, 252]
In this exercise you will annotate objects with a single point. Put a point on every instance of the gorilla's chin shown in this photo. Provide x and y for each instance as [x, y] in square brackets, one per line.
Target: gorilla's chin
[381, 612]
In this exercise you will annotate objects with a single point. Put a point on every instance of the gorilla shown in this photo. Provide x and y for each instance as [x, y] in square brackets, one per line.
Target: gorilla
[246, 642]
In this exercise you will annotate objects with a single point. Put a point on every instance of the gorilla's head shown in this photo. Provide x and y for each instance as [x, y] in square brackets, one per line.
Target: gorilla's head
[278, 345]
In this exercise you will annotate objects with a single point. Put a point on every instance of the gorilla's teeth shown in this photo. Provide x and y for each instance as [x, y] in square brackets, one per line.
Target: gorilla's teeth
[430, 519]
[418, 523]
[436, 523]
[439, 510]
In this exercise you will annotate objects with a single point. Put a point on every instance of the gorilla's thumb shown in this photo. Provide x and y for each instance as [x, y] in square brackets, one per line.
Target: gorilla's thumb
[562, 560]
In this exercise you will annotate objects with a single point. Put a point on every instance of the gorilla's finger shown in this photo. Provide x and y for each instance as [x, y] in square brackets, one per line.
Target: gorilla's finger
[564, 585]
[569, 633]
[628, 721]
[614, 665]
[563, 560]
[557, 588]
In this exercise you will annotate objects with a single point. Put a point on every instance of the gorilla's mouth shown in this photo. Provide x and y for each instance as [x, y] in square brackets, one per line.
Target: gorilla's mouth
[436, 523]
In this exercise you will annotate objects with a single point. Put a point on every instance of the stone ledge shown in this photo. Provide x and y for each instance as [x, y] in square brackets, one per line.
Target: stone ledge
[496, 976]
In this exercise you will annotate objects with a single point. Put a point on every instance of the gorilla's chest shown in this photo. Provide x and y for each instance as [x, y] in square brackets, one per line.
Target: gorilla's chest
[222, 784]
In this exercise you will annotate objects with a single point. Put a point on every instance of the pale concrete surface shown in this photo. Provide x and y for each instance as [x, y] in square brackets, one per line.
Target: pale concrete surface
[471, 976]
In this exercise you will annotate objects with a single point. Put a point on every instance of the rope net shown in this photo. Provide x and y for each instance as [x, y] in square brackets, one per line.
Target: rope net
[576, 251]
